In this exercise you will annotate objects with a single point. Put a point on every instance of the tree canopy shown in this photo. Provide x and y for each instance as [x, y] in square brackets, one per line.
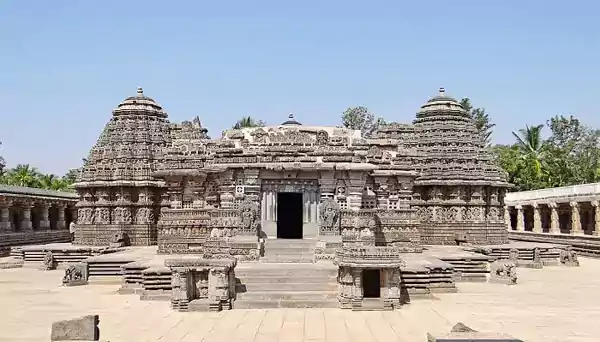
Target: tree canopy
[570, 155]
[360, 118]
[482, 120]
[248, 121]
[28, 176]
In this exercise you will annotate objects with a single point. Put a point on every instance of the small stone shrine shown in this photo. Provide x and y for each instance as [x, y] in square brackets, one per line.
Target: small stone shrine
[202, 284]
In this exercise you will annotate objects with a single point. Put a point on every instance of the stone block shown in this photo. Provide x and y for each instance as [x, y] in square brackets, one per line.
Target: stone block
[80, 329]
[471, 337]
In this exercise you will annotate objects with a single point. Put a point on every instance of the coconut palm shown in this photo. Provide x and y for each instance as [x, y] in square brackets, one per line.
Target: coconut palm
[531, 145]
[23, 175]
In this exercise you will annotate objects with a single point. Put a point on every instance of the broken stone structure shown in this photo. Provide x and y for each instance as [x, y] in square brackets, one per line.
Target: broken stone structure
[80, 329]
[503, 272]
[365, 201]
[568, 257]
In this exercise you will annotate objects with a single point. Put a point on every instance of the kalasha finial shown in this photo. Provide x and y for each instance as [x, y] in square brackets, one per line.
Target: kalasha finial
[442, 91]
[291, 115]
[140, 91]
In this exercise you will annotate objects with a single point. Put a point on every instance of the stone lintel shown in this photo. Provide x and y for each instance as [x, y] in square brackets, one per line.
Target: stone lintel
[199, 262]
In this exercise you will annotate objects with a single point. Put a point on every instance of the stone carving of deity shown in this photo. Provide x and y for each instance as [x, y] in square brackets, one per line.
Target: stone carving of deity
[102, 216]
[322, 138]
[329, 213]
[144, 216]
[249, 214]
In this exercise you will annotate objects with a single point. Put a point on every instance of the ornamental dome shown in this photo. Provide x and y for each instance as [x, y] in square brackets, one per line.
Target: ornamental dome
[291, 121]
[139, 104]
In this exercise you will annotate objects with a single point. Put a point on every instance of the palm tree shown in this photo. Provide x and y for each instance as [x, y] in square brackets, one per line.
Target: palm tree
[23, 175]
[248, 121]
[531, 145]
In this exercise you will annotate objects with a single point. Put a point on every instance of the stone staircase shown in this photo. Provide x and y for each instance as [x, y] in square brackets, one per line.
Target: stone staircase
[286, 278]
[289, 251]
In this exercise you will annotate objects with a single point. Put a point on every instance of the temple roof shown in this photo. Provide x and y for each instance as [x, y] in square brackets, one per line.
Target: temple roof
[140, 104]
[451, 145]
[130, 147]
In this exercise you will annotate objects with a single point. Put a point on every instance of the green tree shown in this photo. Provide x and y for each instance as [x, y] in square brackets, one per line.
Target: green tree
[71, 176]
[482, 120]
[531, 145]
[23, 175]
[2, 164]
[248, 121]
[360, 118]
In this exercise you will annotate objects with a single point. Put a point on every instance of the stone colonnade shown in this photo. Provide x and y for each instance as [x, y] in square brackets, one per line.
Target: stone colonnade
[573, 217]
[22, 213]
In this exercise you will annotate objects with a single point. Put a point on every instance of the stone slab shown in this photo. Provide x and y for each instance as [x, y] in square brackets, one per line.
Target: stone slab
[79, 329]
[471, 337]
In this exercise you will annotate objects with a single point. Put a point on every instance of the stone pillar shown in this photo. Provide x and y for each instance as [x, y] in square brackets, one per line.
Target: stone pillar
[554, 221]
[263, 206]
[227, 189]
[44, 219]
[520, 218]
[596, 211]
[270, 206]
[5, 222]
[327, 184]
[355, 187]
[537, 219]
[60, 220]
[357, 275]
[26, 224]
[507, 217]
[306, 207]
[313, 206]
[575, 219]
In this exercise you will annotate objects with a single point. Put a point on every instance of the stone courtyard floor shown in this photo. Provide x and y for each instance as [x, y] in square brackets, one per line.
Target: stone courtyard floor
[552, 304]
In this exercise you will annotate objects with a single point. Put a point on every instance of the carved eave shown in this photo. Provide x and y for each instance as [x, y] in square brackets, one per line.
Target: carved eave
[182, 172]
[200, 262]
[109, 184]
[497, 184]
[394, 173]
[371, 264]
[384, 142]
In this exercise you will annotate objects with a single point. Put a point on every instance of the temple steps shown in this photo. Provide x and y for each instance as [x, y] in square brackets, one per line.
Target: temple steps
[280, 285]
[289, 251]
[286, 303]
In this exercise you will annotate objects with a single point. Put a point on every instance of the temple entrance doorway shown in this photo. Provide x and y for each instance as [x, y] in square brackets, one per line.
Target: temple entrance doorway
[289, 215]
[371, 283]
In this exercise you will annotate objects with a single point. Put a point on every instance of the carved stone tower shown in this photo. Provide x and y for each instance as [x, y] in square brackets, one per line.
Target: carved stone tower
[117, 190]
[459, 192]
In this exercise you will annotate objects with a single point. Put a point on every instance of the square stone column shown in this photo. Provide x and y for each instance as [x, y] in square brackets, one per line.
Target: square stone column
[5, 225]
[537, 219]
[60, 221]
[596, 211]
[26, 224]
[575, 219]
[554, 221]
[507, 217]
[520, 218]
[44, 220]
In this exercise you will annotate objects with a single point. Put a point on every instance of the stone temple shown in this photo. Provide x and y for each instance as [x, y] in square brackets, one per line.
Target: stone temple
[374, 217]
[169, 184]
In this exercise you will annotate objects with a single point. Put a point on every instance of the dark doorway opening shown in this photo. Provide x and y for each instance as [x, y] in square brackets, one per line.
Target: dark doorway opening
[371, 283]
[289, 215]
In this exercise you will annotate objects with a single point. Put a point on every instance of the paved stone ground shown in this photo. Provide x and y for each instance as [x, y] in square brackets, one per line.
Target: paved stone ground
[552, 304]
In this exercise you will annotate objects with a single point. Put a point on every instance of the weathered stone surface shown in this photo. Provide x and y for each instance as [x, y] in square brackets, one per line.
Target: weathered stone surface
[80, 329]
[471, 337]
[461, 328]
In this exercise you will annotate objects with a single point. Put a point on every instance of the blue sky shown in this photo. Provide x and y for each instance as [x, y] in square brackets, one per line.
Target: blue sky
[66, 64]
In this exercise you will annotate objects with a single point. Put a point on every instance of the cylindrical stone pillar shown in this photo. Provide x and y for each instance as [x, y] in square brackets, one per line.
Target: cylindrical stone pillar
[520, 218]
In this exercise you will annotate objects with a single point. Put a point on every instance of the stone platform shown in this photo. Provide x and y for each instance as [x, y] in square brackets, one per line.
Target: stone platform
[538, 309]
